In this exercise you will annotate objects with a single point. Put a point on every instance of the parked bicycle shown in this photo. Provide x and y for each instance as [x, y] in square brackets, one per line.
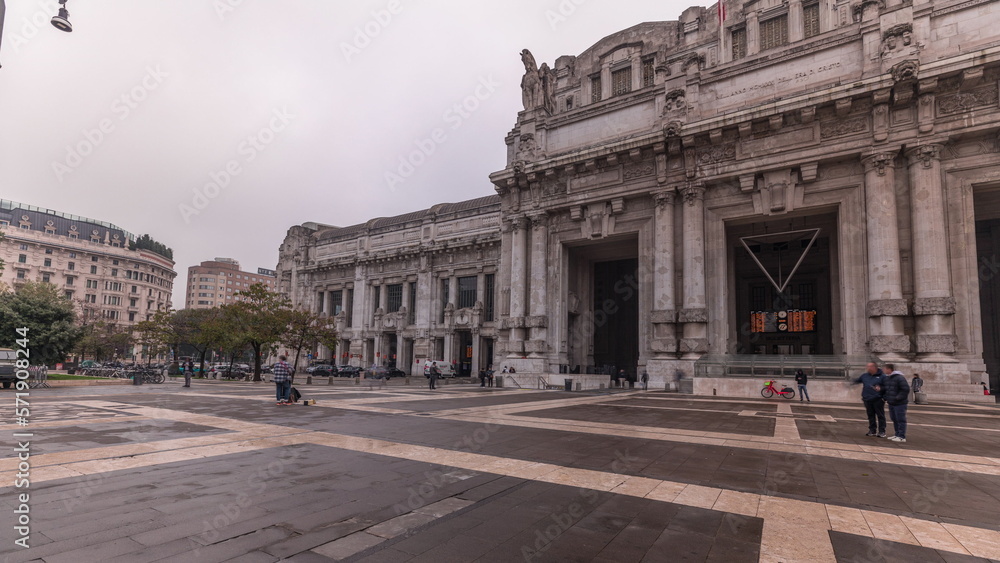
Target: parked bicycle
[770, 390]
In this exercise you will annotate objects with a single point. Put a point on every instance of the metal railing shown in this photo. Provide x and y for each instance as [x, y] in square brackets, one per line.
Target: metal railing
[774, 365]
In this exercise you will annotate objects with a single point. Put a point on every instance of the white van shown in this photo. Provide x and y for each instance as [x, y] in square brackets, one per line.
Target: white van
[446, 369]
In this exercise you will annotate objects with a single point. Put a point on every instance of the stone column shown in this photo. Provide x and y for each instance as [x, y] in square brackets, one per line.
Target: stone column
[694, 314]
[383, 298]
[796, 21]
[886, 306]
[321, 300]
[448, 352]
[934, 303]
[538, 319]
[476, 361]
[399, 359]
[664, 313]
[753, 33]
[406, 303]
[518, 285]
[328, 306]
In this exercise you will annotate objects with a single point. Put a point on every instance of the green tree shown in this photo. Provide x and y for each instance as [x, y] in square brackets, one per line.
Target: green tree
[47, 314]
[202, 330]
[157, 335]
[306, 330]
[260, 320]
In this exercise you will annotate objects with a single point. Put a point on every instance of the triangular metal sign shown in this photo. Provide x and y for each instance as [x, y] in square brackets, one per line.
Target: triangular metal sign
[787, 236]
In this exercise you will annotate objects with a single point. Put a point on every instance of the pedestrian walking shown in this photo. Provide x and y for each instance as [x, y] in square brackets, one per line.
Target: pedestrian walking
[645, 380]
[282, 377]
[434, 374]
[802, 380]
[873, 381]
[897, 394]
[188, 370]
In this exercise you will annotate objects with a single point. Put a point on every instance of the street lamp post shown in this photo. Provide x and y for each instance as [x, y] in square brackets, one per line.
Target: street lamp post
[60, 21]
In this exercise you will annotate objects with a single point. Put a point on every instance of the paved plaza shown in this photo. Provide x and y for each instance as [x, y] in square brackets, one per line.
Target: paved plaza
[219, 472]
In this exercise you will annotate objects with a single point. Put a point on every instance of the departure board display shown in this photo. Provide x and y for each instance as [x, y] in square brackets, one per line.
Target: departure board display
[783, 321]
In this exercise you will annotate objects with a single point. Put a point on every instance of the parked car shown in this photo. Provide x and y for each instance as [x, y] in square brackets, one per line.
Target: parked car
[8, 359]
[348, 371]
[385, 372]
[323, 371]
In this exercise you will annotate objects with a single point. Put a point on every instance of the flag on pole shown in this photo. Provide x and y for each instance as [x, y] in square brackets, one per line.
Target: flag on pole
[722, 13]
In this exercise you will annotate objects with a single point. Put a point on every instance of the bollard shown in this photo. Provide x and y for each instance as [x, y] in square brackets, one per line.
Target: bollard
[329, 380]
[357, 380]
[407, 380]
[309, 380]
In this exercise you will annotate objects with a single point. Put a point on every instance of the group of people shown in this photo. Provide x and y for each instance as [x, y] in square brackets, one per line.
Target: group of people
[486, 377]
[879, 388]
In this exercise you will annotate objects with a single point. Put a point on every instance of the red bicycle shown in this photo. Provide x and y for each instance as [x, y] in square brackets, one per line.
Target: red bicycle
[770, 390]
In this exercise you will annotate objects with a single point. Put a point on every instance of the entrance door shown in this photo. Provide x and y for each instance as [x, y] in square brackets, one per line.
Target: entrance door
[616, 315]
[988, 249]
[464, 353]
[393, 351]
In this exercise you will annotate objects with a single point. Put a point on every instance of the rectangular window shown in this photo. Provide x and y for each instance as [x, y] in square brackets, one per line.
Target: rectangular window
[48, 251]
[71, 266]
[411, 311]
[90, 298]
[93, 269]
[810, 17]
[22, 258]
[135, 289]
[69, 295]
[93, 258]
[621, 81]
[114, 262]
[131, 317]
[91, 284]
[395, 297]
[445, 286]
[739, 43]
[46, 278]
[25, 247]
[21, 274]
[569, 103]
[488, 300]
[70, 280]
[337, 298]
[114, 272]
[47, 263]
[467, 292]
[72, 254]
[648, 72]
[595, 88]
[132, 302]
[773, 33]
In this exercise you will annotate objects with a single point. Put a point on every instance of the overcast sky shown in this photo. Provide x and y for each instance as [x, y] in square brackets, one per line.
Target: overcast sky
[301, 106]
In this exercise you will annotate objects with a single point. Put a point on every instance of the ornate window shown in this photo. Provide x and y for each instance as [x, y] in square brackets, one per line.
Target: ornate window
[621, 81]
[488, 300]
[739, 43]
[773, 33]
[648, 72]
[595, 88]
[394, 295]
[810, 18]
[467, 292]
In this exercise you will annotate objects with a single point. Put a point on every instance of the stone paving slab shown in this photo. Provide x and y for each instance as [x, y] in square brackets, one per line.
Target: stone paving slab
[442, 488]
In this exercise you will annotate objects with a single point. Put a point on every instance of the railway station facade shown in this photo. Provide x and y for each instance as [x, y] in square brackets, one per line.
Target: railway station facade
[802, 178]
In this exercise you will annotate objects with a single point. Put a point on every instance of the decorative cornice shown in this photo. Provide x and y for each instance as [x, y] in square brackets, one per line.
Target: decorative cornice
[925, 155]
[879, 162]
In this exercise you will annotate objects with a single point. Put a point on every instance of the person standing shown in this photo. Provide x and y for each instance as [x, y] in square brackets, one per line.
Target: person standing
[873, 381]
[897, 394]
[645, 380]
[489, 377]
[282, 377]
[188, 371]
[482, 378]
[435, 373]
[802, 380]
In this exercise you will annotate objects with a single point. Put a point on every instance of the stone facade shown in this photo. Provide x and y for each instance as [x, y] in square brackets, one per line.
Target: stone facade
[669, 140]
[402, 290]
[88, 260]
[679, 181]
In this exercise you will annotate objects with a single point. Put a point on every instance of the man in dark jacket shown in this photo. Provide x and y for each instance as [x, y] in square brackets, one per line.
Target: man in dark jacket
[873, 381]
[435, 372]
[802, 380]
[897, 394]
